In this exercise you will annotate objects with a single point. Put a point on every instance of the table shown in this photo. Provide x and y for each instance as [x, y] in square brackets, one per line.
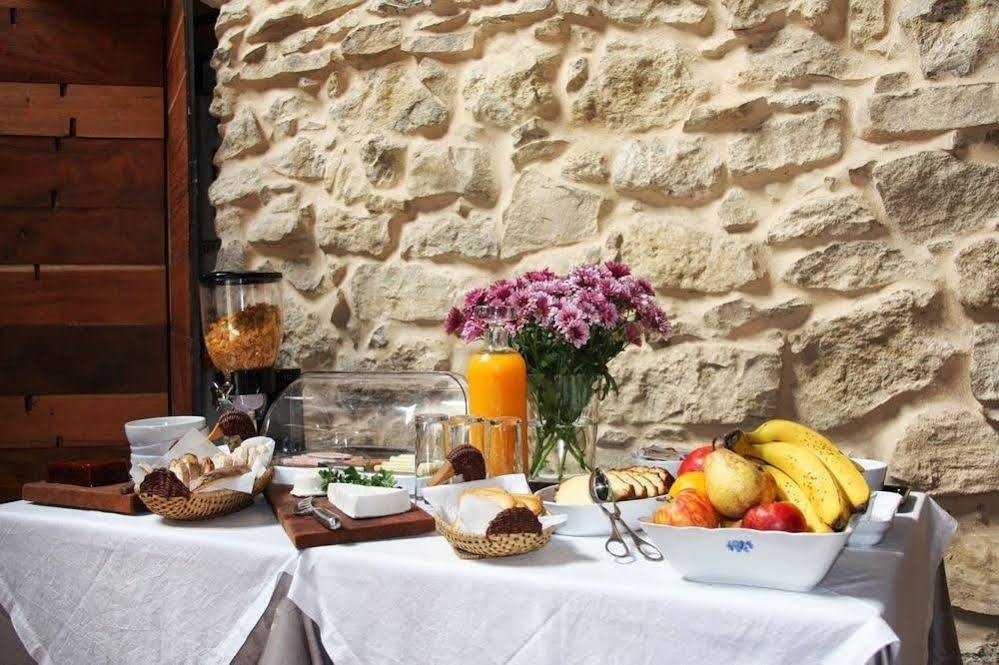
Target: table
[412, 601]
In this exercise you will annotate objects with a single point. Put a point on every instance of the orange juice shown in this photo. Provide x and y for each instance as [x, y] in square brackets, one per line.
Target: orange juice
[497, 386]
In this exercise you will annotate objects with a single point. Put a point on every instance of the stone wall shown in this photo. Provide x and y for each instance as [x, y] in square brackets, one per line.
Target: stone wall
[811, 185]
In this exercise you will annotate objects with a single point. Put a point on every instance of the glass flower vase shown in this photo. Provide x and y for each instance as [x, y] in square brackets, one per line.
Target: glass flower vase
[563, 417]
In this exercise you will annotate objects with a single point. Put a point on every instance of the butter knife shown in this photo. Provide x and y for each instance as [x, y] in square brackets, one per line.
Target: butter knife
[327, 518]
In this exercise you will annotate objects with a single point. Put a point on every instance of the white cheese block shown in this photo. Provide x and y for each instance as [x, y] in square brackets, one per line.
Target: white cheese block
[362, 501]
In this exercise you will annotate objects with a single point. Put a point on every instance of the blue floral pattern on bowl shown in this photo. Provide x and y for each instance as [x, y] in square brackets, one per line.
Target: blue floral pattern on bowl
[739, 545]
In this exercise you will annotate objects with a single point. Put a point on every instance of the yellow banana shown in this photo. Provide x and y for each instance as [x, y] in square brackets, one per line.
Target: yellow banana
[806, 470]
[788, 490]
[842, 467]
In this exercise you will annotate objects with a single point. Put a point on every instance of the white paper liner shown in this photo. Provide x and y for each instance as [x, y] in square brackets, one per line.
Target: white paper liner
[197, 444]
[444, 498]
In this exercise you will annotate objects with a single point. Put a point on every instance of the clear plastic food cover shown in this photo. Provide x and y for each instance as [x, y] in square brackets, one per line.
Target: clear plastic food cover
[370, 415]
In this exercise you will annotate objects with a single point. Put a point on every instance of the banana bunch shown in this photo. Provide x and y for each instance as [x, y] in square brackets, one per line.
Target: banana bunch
[809, 469]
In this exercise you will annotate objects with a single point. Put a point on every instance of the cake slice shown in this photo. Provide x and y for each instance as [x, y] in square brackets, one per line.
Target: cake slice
[621, 489]
[648, 474]
[640, 491]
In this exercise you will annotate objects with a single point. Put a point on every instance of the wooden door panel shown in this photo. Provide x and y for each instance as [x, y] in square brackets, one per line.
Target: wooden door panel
[60, 360]
[82, 236]
[84, 316]
[144, 7]
[32, 109]
[126, 173]
[74, 420]
[29, 171]
[47, 109]
[66, 45]
[116, 111]
[89, 173]
[71, 295]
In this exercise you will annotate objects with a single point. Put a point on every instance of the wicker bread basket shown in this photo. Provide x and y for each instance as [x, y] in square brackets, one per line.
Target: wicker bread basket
[469, 546]
[205, 505]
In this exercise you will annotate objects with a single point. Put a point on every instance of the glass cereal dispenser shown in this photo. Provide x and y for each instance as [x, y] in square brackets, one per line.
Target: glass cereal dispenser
[241, 319]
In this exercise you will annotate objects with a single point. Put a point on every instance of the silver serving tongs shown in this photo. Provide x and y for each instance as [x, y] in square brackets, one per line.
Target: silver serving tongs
[325, 517]
[600, 492]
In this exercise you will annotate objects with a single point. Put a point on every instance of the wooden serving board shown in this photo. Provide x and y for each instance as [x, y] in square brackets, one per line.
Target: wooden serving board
[107, 498]
[304, 531]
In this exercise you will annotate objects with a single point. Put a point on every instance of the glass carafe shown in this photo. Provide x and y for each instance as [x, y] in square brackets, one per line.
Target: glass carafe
[497, 385]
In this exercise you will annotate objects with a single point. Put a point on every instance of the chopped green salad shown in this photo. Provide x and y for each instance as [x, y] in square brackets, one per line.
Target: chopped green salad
[352, 476]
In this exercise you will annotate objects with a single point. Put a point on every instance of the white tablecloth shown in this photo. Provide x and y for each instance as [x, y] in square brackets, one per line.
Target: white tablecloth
[92, 588]
[412, 601]
[87, 588]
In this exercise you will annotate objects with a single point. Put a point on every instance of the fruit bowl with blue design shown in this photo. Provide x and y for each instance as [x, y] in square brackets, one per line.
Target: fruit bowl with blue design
[772, 559]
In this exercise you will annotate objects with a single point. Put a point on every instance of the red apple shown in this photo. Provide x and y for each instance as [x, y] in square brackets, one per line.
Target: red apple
[694, 461]
[777, 516]
[688, 508]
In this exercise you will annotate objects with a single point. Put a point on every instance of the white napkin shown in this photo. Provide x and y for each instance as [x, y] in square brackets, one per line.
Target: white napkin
[197, 444]
[444, 498]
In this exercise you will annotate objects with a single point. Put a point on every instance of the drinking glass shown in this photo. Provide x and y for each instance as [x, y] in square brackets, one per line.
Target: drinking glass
[431, 447]
[506, 446]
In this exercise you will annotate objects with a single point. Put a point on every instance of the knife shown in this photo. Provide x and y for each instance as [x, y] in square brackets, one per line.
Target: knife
[327, 518]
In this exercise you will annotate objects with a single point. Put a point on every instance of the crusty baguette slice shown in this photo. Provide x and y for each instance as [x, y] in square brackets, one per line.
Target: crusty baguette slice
[209, 481]
[529, 501]
[621, 488]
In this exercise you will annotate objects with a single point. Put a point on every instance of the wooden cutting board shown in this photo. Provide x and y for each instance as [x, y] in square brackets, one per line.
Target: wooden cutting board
[107, 498]
[305, 531]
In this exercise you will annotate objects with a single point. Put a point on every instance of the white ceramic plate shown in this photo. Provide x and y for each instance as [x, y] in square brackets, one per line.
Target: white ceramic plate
[874, 471]
[771, 559]
[589, 520]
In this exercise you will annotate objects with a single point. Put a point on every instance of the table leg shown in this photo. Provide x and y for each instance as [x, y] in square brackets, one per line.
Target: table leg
[943, 647]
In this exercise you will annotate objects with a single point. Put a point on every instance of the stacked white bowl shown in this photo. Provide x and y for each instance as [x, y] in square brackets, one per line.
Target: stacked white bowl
[151, 438]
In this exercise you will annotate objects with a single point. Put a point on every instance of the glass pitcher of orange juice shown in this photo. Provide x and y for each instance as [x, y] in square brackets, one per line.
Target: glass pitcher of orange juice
[497, 387]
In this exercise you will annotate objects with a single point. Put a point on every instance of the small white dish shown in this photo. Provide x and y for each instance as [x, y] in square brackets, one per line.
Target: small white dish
[308, 482]
[874, 471]
[150, 432]
[588, 519]
[771, 559]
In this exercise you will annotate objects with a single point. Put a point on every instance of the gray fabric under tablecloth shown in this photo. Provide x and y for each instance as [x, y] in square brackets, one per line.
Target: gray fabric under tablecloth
[283, 636]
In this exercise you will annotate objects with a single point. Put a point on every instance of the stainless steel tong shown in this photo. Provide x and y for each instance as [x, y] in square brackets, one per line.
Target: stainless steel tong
[600, 492]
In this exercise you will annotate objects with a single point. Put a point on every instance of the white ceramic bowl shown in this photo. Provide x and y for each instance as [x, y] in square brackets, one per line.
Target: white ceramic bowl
[771, 559]
[874, 471]
[589, 520]
[148, 432]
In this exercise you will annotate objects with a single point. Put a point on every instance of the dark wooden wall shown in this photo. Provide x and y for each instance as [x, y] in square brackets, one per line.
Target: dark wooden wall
[86, 301]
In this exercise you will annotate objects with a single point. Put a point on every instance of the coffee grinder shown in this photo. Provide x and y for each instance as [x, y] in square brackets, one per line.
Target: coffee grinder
[242, 322]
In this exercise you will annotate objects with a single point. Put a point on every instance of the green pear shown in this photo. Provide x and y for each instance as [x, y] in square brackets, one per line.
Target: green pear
[734, 484]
